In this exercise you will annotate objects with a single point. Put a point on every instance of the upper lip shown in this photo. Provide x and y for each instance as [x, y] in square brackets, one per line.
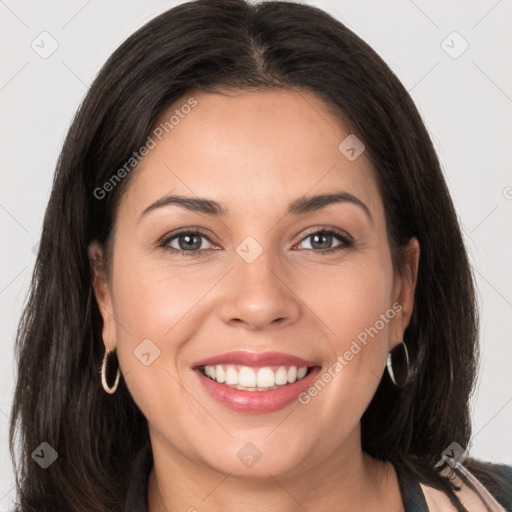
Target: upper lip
[247, 358]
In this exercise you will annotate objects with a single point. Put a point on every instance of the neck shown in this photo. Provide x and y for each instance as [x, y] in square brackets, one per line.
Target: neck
[347, 480]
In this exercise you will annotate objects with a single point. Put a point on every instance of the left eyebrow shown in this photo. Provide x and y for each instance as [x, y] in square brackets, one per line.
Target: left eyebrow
[313, 203]
[299, 206]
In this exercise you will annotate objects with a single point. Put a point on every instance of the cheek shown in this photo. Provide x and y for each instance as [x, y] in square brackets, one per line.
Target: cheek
[154, 301]
[356, 306]
[156, 313]
[352, 300]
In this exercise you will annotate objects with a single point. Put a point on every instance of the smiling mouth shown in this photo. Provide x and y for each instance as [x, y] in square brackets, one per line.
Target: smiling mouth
[246, 378]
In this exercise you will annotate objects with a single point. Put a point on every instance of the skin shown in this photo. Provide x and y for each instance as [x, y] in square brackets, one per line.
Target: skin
[255, 152]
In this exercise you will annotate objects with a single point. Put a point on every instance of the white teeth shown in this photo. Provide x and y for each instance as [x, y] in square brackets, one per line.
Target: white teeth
[266, 378]
[217, 374]
[255, 379]
[247, 377]
[292, 374]
[281, 376]
[301, 372]
[231, 376]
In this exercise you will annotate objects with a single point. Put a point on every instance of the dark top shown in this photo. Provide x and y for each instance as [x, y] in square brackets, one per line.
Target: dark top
[412, 494]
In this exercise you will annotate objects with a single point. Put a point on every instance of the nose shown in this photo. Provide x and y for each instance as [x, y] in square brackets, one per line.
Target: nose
[258, 294]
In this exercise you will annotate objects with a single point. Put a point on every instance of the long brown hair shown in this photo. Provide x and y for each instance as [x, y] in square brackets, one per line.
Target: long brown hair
[209, 46]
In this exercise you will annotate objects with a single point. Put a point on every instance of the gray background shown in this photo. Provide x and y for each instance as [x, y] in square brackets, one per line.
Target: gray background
[466, 103]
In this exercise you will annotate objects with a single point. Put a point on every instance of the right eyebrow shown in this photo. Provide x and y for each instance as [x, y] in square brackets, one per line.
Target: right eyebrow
[200, 205]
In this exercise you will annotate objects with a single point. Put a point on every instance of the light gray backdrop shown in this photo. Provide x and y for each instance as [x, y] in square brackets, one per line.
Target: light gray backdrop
[464, 95]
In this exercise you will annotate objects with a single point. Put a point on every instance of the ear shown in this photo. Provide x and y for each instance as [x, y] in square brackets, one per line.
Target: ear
[403, 292]
[103, 295]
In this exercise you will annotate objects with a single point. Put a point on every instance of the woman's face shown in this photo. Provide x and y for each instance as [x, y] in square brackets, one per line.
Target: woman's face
[255, 288]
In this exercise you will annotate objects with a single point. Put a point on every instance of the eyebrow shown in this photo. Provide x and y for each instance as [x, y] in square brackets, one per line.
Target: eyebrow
[299, 206]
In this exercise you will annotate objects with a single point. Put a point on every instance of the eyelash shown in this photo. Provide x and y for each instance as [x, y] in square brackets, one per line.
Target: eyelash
[344, 238]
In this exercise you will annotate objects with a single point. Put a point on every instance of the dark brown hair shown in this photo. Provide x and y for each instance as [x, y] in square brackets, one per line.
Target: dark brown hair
[210, 46]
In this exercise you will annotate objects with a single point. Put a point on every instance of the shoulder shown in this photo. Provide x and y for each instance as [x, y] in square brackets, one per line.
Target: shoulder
[497, 479]
[487, 479]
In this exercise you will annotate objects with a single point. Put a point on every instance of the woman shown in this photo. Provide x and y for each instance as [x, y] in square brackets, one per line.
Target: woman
[251, 290]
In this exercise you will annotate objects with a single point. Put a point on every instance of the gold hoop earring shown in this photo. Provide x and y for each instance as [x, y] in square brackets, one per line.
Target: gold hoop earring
[399, 369]
[106, 387]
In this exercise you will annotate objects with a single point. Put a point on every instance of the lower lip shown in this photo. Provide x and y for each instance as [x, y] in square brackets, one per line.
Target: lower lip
[257, 401]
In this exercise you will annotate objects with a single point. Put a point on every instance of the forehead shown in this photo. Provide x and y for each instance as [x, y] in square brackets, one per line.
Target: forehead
[249, 149]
